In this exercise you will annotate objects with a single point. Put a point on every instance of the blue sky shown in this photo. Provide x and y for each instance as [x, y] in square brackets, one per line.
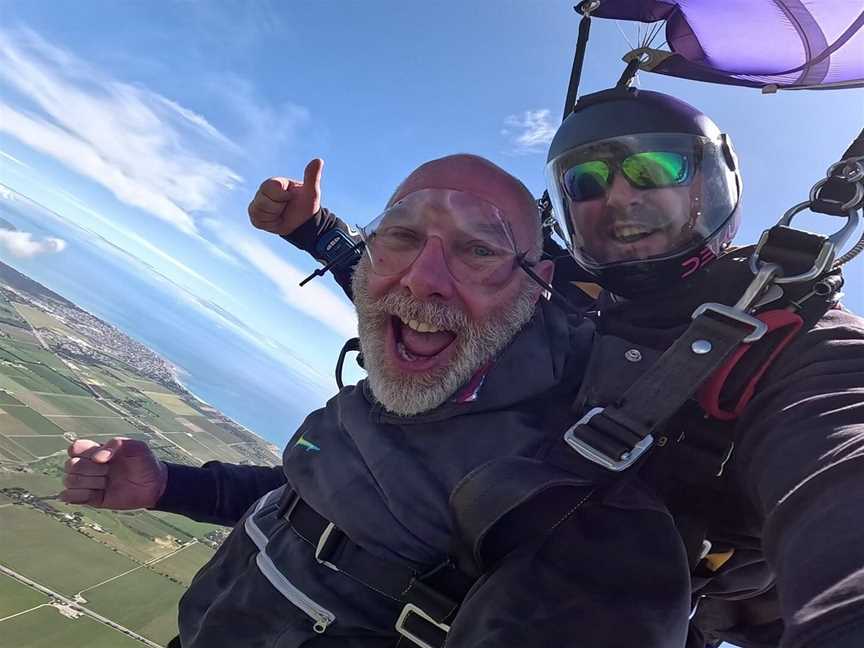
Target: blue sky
[151, 125]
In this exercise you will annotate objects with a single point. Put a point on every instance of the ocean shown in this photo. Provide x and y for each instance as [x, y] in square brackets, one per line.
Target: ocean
[216, 363]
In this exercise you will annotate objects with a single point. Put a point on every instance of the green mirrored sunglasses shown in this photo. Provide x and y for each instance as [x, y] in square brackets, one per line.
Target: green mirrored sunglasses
[647, 170]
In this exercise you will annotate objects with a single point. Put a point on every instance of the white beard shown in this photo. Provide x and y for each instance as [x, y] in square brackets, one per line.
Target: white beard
[477, 343]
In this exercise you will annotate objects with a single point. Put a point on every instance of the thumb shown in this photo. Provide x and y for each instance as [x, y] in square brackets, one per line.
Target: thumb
[312, 178]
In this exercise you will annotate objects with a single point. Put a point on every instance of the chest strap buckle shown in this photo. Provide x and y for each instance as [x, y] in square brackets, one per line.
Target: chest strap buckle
[420, 628]
[614, 461]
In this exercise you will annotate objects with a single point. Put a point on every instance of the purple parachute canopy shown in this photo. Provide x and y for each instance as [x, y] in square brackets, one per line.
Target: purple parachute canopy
[759, 43]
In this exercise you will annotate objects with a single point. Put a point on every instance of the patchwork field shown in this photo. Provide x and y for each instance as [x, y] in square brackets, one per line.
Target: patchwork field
[16, 597]
[184, 565]
[45, 627]
[81, 564]
[41, 446]
[129, 567]
[21, 421]
[40, 319]
[172, 403]
[18, 378]
[53, 404]
[88, 428]
[17, 333]
[143, 601]
[14, 453]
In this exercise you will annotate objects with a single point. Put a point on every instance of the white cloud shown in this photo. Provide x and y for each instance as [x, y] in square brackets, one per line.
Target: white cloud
[530, 132]
[14, 159]
[315, 300]
[23, 244]
[149, 151]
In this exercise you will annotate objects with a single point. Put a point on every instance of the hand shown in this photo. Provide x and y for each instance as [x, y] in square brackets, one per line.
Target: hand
[281, 205]
[121, 474]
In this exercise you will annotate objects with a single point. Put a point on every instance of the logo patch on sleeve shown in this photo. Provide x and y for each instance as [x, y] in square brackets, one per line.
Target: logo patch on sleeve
[308, 446]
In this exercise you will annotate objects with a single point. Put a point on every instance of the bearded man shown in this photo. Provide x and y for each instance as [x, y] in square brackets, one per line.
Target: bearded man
[349, 542]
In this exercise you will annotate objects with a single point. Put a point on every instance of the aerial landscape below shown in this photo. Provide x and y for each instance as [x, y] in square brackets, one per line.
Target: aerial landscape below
[77, 576]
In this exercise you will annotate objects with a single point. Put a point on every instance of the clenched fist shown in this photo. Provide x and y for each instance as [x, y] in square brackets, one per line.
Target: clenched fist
[281, 205]
[121, 474]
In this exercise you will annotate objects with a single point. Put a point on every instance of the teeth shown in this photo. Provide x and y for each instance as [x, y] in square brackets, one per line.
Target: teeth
[420, 327]
[630, 230]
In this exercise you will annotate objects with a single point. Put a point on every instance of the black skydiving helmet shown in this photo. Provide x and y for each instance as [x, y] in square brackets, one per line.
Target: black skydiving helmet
[645, 188]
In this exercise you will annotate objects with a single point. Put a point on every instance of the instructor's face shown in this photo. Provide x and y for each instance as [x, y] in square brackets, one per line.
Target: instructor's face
[630, 224]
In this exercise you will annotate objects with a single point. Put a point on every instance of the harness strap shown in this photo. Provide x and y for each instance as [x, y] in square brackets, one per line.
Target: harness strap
[430, 599]
[836, 196]
[616, 436]
[514, 501]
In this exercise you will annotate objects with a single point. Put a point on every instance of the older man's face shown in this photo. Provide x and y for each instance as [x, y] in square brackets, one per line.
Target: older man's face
[427, 327]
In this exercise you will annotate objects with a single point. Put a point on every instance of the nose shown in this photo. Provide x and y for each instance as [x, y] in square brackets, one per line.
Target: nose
[429, 277]
[621, 193]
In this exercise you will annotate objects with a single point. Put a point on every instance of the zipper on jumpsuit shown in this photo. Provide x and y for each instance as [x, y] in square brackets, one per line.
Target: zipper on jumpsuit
[318, 613]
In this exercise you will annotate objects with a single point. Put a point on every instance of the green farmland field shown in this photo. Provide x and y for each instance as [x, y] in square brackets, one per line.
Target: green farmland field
[60, 380]
[151, 526]
[38, 378]
[42, 446]
[172, 403]
[126, 533]
[35, 482]
[39, 319]
[204, 446]
[185, 564]
[143, 384]
[224, 434]
[54, 404]
[16, 597]
[143, 601]
[86, 428]
[23, 420]
[8, 314]
[32, 354]
[47, 628]
[185, 525]
[11, 451]
[18, 333]
[18, 379]
[8, 399]
[54, 555]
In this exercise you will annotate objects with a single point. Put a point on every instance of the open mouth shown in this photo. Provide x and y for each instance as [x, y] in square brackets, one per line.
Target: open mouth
[632, 232]
[419, 346]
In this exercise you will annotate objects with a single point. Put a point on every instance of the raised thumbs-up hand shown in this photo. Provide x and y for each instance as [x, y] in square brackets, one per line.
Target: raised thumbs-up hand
[281, 205]
[121, 474]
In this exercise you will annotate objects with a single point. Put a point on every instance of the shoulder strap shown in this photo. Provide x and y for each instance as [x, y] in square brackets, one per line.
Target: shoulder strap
[514, 500]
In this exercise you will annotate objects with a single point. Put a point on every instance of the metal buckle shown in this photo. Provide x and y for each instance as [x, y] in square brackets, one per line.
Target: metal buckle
[322, 544]
[410, 608]
[596, 456]
[760, 328]
[823, 259]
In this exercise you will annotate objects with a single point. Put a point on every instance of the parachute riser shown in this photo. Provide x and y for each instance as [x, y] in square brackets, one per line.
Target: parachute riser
[585, 8]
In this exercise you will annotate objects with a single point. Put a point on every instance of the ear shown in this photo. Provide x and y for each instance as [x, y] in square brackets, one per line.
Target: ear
[545, 269]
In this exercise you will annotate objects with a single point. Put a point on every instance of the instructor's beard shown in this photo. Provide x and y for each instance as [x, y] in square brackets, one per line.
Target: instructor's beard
[477, 343]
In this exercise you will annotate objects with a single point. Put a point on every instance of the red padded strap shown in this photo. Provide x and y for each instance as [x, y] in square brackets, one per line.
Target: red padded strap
[709, 393]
